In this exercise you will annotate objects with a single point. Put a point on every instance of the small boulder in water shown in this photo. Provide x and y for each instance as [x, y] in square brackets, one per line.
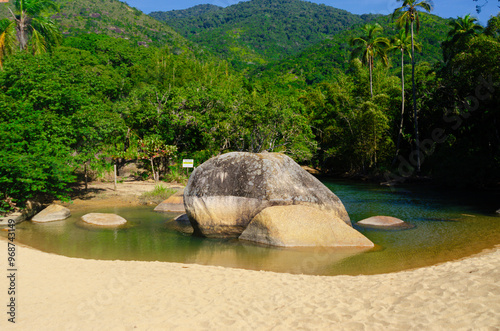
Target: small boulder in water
[52, 213]
[175, 203]
[181, 223]
[384, 222]
[104, 219]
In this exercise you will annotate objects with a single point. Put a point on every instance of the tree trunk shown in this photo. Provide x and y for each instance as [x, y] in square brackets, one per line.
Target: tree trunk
[153, 170]
[86, 177]
[21, 31]
[400, 134]
[115, 172]
[417, 141]
[371, 79]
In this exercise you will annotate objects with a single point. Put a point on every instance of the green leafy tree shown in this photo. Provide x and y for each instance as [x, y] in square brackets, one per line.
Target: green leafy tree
[153, 148]
[493, 27]
[369, 47]
[408, 15]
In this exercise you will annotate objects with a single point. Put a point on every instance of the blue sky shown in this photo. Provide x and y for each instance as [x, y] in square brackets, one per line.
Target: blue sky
[443, 8]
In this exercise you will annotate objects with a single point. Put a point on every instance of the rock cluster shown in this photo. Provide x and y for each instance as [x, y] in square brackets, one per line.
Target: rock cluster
[267, 198]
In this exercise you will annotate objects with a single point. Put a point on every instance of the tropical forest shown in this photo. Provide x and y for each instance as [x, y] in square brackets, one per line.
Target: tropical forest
[89, 85]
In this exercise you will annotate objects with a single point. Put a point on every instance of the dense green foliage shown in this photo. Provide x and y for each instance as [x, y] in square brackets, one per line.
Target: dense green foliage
[184, 13]
[112, 18]
[97, 96]
[260, 31]
[94, 101]
[326, 59]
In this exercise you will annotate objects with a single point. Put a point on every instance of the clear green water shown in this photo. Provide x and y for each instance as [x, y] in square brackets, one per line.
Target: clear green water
[449, 225]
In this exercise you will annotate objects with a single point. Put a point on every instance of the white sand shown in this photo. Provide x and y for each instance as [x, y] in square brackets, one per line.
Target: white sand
[61, 293]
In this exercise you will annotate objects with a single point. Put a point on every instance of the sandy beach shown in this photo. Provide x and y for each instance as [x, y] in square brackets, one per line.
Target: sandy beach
[61, 293]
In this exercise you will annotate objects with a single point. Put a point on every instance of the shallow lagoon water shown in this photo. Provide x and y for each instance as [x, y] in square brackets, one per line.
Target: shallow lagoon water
[449, 225]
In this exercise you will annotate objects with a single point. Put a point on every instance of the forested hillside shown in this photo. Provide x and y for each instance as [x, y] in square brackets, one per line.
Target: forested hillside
[262, 31]
[184, 13]
[112, 18]
[324, 60]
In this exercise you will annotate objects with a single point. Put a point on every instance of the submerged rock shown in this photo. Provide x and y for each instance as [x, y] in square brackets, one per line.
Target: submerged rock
[384, 222]
[181, 223]
[52, 213]
[174, 203]
[298, 225]
[104, 219]
[226, 192]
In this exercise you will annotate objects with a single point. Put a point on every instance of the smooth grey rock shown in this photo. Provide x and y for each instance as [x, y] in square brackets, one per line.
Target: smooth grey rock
[303, 226]
[52, 213]
[384, 222]
[226, 192]
[104, 219]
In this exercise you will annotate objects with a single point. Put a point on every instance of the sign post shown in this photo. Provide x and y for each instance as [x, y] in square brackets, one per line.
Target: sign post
[187, 163]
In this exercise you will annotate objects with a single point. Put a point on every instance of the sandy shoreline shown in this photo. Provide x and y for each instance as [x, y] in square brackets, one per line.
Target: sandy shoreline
[61, 293]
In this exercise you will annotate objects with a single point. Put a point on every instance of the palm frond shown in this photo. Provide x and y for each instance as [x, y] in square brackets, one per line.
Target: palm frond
[36, 7]
[7, 39]
[37, 43]
[48, 29]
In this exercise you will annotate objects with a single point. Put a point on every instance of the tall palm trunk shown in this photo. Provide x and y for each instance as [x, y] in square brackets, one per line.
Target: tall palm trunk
[417, 141]
[402, 105]
[370, 64]
[21, 30]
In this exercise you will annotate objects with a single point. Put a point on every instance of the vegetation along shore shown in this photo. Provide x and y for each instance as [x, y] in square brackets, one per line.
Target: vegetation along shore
[98, 85]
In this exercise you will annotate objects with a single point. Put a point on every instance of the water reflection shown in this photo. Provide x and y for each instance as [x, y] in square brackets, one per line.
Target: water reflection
[240, 254]
[447, 227]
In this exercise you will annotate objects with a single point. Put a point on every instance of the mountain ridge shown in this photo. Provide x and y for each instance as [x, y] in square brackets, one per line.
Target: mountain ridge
[263, 31]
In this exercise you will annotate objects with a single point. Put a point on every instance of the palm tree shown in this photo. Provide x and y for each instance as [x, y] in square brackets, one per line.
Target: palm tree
[402, 43]
[7, 39]
[463, 28]
[407, 16]
[28, 28]
[369, 47]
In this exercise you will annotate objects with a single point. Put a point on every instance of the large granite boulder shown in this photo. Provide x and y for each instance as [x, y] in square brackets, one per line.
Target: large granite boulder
[52, 213]
[104, 219]
[384, 222]
[225, 193]
[175, 203]
[298, 225]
